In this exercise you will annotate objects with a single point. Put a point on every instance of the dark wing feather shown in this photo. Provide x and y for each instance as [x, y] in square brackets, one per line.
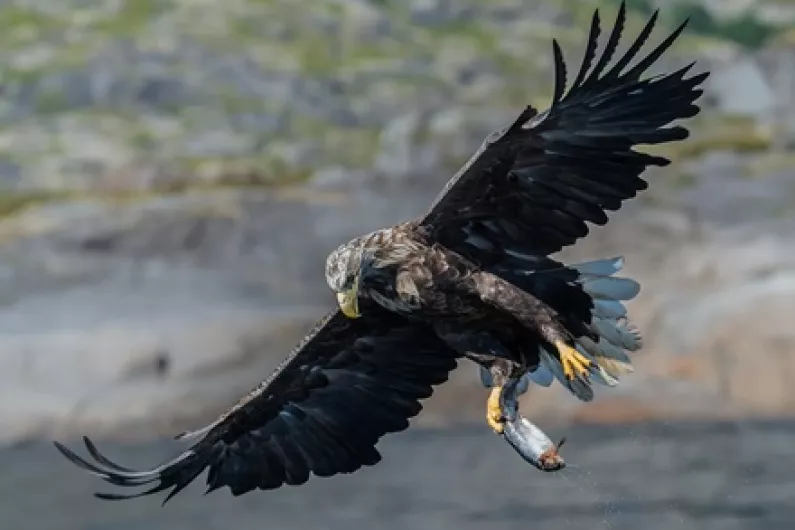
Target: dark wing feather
[531, 188]
[322, 412]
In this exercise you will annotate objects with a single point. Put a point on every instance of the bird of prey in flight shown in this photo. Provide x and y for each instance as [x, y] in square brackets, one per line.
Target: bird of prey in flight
[472, 278]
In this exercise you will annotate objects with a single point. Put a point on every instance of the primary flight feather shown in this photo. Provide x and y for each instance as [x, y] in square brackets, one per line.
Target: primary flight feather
[472, 278]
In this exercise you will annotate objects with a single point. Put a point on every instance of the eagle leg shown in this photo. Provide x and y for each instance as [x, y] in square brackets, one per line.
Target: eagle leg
[503, 373]
[575, 365]
[536, 316]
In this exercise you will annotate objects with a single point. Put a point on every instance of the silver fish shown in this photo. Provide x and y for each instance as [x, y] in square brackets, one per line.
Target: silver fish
[532, 444]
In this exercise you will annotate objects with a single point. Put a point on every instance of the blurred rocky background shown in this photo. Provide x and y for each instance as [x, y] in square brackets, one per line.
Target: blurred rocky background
[174, 172]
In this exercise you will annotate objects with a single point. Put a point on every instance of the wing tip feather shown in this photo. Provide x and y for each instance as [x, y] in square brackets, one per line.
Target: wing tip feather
[560, 72]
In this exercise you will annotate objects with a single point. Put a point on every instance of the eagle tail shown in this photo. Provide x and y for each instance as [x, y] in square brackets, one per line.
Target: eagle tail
[592, 345]
[612, 336]
[615, 335]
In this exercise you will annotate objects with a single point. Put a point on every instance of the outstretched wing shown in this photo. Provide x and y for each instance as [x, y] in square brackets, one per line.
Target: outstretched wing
[322, 411]
[531, 188]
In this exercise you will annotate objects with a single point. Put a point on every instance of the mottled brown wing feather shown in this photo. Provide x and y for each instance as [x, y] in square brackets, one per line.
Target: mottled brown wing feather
[532, 187]
[322, 412]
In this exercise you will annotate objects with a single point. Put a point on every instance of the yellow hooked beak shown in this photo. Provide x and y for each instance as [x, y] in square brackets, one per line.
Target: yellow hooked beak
[349, 301]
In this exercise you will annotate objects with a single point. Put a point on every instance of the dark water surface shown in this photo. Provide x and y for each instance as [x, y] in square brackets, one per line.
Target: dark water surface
[717, 476]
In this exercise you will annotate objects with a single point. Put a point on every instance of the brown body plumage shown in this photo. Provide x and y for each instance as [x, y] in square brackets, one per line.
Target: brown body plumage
[471, 278]
[477, 313]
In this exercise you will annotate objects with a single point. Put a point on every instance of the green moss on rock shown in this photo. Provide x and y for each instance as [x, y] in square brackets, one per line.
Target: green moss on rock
[256, 87]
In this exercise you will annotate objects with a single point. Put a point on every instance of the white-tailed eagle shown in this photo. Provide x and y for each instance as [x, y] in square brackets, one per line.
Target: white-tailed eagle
[473, 278]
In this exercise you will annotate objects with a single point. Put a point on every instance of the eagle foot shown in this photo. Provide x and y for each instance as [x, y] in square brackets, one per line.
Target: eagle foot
[494, 414]
[575, 365]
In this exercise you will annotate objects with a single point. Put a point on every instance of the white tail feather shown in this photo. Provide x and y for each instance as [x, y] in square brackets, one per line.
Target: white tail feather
[596, 278]
[615, 368]
[633, 338]
[541, 375]
[579, 388]
[618, 333]
[553, 365]
[608, 309]
[601, 267]
[605, 348]
[603, 377]
[599, 375]
[523, 385]
[613, 359]
[609, 288]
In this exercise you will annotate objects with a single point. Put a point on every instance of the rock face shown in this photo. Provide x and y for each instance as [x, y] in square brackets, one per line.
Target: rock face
[148, 311]
[169, 92]
[158, 314]
[714, 307]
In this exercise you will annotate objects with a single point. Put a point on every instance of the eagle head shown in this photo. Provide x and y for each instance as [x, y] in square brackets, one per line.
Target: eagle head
[350, 265]
[343, 275]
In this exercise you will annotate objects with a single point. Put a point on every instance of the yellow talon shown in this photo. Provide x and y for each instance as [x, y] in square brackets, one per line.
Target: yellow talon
[494, 415]
[575, 364]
